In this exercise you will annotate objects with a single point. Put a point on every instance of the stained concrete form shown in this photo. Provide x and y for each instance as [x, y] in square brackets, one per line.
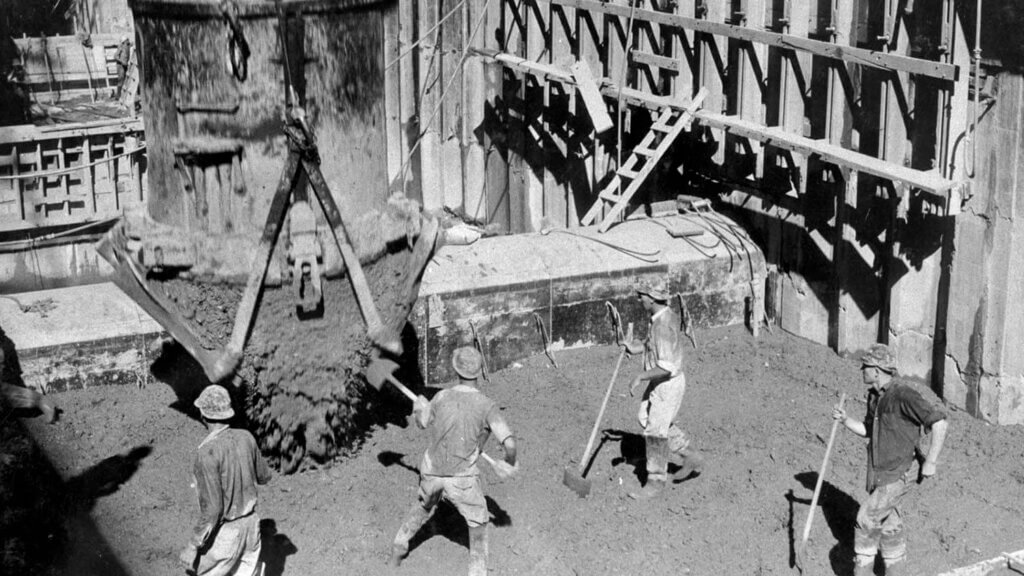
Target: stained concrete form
[94, 335]
[498, 286]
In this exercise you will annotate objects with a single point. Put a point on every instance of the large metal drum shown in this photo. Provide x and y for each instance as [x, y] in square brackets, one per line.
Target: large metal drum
[214, 97]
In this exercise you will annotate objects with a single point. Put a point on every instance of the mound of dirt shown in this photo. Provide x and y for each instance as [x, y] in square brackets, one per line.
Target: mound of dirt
[304, 393]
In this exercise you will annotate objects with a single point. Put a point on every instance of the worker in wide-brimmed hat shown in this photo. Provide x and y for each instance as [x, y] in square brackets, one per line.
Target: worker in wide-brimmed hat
[895, 416]
[666, 384]
[228, 466]
[459, 420]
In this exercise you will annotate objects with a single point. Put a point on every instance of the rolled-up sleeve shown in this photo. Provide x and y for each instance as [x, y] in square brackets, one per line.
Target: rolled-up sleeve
[666, 348]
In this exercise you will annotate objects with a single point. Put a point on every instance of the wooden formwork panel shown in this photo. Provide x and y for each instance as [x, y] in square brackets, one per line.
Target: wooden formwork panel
[57, 176]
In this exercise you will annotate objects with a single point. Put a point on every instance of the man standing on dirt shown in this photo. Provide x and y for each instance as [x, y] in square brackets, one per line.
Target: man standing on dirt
[895, 417]
[228, 466]
[459, 421]
[666, 384]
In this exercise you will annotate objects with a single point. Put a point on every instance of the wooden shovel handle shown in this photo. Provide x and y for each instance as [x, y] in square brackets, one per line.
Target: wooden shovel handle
[604, 403]
[821, 475]
[401, 387]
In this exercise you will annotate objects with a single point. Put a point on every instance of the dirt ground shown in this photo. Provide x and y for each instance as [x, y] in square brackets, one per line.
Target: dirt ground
[758, 409]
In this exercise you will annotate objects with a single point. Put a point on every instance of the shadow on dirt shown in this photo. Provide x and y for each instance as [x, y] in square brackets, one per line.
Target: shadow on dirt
[104, 478]
[276, 548]
[840, 512]
[387, 458]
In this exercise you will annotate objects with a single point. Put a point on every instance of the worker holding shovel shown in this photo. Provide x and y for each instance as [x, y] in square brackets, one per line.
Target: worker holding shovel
[895, 417]
[666, 384]
[459, 421]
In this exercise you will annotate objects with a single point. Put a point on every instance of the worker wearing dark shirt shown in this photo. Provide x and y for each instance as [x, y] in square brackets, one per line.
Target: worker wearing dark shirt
[228, 466]
[896, 415]
[459, 421]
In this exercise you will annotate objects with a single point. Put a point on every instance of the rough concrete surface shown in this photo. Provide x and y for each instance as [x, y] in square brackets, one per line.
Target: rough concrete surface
[759, 411]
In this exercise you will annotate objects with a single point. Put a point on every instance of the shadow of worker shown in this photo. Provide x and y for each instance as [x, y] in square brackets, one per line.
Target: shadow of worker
[840, 512]
[104, 478]
[276, 548]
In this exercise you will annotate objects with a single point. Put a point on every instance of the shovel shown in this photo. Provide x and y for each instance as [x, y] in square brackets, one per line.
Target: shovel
[801, 550]
[382, 370]
[574, 478]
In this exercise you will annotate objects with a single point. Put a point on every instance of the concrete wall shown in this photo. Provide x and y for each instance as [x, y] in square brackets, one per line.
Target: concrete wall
[983, 364]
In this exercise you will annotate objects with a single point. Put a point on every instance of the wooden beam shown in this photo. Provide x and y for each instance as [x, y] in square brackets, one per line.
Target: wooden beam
[854, 55]
[648, 59]
[932, 181]
[591, 96]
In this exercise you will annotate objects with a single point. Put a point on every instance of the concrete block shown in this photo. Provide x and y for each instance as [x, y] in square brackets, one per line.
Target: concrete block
[914, 355]
[954, 389]
[566, 278]
[1001, 399]
[804, 311]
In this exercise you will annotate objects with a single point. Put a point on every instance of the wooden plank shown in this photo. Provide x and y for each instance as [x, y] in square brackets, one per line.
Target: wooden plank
[534, 95]
[515, 42]
[591, 96]
[558, 107]
[31, 133]
[860, 56]
[655, 60]
[495, 140]
[392, 98]
[410, 182]
[474, 102]
[450, 118]
[429, 89]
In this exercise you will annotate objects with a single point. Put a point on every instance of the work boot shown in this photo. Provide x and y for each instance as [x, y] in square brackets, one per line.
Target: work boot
[897, 568]
[413, 522]
[478, 550]
[691, 464]
[864, 569]
[657, 468]
[650, 490]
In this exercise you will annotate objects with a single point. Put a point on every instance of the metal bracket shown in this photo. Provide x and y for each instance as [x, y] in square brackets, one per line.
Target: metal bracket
[305, 255]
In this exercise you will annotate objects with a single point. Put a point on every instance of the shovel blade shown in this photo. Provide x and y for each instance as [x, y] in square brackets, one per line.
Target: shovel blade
[576, 482]
[377, 372]
[800, 556]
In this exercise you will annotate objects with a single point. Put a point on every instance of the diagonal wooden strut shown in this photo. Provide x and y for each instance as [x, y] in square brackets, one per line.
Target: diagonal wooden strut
[641, 162]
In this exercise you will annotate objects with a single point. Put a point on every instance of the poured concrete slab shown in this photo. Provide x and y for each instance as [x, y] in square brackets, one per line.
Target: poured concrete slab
[91, 335]
[78, 337]
[499, 286]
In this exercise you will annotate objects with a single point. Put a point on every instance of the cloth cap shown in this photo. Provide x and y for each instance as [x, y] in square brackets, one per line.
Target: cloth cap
[652, 289]
[214, 403]
[467, 362]
[880, 357]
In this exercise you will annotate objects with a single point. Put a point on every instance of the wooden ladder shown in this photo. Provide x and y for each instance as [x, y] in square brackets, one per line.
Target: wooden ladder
[641, 162]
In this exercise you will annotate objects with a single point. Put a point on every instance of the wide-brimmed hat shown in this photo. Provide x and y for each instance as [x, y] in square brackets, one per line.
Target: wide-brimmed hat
[214, 403]
[467, 362]
[653, 289]
[879, 356]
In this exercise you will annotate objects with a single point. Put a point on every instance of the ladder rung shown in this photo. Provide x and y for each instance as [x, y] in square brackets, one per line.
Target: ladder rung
[644, 151]
[631, 174]
[609, 196]
[661, 127]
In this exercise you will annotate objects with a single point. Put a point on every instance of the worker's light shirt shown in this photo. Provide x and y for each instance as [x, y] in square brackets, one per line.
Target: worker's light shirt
[459, 421]
[664, 345]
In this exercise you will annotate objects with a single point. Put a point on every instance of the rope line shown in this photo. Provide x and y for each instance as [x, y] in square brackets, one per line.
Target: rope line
[412, 46]
[444, 92]
[70, 169]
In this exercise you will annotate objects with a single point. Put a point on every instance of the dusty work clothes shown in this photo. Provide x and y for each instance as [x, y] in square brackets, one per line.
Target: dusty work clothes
[235, 549]
[663, 398]
[894, 420]
[879, 524]
[459, 421]
[227, 468]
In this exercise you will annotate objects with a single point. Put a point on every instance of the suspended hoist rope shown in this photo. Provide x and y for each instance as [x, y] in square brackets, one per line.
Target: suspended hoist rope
[70, 169]
[444, 92]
